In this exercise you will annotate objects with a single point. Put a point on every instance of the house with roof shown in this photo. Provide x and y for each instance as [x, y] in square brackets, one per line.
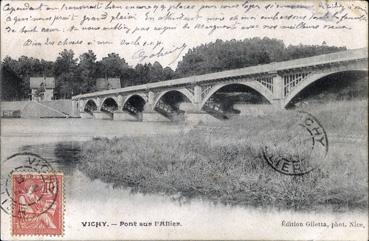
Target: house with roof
[42, 88]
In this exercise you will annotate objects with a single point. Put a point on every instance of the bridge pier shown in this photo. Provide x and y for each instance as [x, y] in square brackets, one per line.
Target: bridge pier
[86, 115]
[193, 114]
[101, 115]
[197, 117]
[254, 109]
[153, 116]
[125, 116]
[277, 92]
[277, 104]
[75, 108]
[149, 114]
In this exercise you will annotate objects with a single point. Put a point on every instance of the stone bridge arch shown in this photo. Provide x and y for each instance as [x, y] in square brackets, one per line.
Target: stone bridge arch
[134, 104]
[141, 95]
[113, 102]
[252, 84]
[185, 92]
[312, 78]
[103, 100]
[89, 102]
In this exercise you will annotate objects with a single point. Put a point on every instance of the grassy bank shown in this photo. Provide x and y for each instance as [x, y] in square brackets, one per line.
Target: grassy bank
[223, 163]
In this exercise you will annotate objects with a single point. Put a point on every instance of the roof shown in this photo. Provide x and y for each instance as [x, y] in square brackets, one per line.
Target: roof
[35, 82]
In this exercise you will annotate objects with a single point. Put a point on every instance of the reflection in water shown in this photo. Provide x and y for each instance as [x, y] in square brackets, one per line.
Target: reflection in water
[63, 156]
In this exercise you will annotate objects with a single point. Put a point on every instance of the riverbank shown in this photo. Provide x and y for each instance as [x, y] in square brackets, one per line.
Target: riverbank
[223, 162]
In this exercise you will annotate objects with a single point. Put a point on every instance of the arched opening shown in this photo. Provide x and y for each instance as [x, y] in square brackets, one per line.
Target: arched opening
[235, 99]
[135, 106]
[337, 87]
[170, 104]
[109, 106]
[90, 107]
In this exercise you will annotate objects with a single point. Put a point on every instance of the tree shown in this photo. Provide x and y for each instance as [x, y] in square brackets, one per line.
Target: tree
[223, 55]
[112, 66]
[47, 68]
[299, 51]
[142, 73]
[168, 73]
[129, 77]
[23, 69]
[64, 71]
[11, 84]
[86, 73]
[155, 72]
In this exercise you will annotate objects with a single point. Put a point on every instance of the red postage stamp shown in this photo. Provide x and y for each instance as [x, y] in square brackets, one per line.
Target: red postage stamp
[37, 204]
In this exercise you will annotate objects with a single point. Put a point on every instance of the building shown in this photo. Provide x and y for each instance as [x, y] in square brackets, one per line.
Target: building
[42, 88]
[107, 83]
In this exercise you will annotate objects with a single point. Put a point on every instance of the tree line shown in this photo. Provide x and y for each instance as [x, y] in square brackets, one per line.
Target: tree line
[76, 75]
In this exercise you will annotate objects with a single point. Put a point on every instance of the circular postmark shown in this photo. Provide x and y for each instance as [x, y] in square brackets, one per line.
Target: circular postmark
[298, 148]
[29, 185]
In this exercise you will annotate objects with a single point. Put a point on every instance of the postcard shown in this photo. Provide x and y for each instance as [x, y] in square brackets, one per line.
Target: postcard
[184, 120]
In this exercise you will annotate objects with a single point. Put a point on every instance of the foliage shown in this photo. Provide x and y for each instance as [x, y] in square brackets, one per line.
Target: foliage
[64, 72]
[11, 85]
[22, 69]
[75, 75]
[168, 73]
[142, 71]
[223, 55]
[112, 66]
[87, 72]
[78, 75]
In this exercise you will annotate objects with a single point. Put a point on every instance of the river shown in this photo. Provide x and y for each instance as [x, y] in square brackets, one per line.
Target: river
[86, 200]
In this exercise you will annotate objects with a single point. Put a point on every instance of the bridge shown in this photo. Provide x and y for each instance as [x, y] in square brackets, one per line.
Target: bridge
[192, 97]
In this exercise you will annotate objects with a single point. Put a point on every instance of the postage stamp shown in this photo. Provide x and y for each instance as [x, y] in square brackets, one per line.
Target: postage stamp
[37, 207]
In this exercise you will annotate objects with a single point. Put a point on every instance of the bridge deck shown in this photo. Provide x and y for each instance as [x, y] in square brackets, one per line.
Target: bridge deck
[247, 71]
